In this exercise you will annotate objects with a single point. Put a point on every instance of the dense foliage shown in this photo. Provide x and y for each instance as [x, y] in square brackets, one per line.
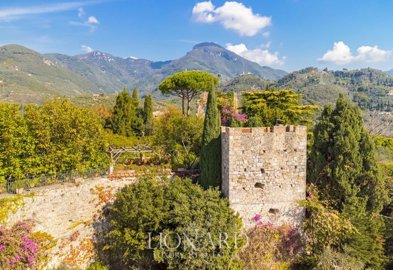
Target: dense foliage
[53, 138]
[343, 166]
[246, 81]
[324, 228]
[341, 142]
[271, 246]
[8, 206]
[180, 136]
[127, 118]
[384, 147]
[187, 84]
[160, 224]
[211, 144]
[272, 107]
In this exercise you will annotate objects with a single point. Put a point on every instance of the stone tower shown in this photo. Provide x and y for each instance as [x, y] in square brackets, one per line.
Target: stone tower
[264, 172]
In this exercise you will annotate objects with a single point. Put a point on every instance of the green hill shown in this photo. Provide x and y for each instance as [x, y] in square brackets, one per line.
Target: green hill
[28, 76]
[372, 89]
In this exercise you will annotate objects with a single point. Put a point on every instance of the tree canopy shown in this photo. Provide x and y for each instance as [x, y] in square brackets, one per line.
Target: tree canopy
[343, 166]
[56, 137]
[187, 84]
[272, 107]
[180, 136]
[127, 117]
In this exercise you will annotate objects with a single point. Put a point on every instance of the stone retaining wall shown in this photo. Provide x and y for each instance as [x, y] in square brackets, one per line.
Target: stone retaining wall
[70, 213]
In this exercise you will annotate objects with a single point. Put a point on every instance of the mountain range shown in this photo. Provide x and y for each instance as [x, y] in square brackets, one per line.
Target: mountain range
[28, 76]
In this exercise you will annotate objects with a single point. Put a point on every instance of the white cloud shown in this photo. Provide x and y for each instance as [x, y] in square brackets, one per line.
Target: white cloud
[341, 54]
[261, 55]
[203, 12]
[81, 12]
[232, 15]
[237, 48]
[372, 54]
[91, 23]
[87, 49]
[92, 20]
[20, 12]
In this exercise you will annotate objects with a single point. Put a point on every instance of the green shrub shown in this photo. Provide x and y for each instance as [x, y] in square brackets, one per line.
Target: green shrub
[148, 218]
[97, 265]
[271, 247]
[9, 205]
[323, 227]
[332, 260]
[180, 137]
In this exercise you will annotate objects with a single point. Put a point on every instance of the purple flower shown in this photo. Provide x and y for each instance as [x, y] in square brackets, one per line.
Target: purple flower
[30, 245]
[31, 260]
[227, 114]
[15, 260]
[257, 218]
[2, 247]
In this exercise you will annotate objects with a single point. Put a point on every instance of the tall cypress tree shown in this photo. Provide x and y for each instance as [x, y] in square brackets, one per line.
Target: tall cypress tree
[135, 97]
[211, 144]
[123, 114]
[148, 115]
[343, 166]
[137, 120]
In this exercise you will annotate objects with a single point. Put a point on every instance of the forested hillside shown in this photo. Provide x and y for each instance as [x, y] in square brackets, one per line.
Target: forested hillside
[371, 88]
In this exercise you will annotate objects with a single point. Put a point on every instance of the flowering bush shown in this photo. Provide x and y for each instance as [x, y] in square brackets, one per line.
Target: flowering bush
[20, 248]
[270, 246]
[231, 118]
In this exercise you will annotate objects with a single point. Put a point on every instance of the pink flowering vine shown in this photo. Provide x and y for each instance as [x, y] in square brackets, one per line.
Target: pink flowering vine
[228, 115]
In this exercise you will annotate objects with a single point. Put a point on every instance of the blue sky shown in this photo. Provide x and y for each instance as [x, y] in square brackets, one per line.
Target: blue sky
[286, 34]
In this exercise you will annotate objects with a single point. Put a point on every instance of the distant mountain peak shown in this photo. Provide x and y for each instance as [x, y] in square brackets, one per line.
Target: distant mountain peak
[207, 44]
[98, 55]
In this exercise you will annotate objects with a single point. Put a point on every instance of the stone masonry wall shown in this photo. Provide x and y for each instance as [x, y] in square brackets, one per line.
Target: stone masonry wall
[71, 214]
[264, 172]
